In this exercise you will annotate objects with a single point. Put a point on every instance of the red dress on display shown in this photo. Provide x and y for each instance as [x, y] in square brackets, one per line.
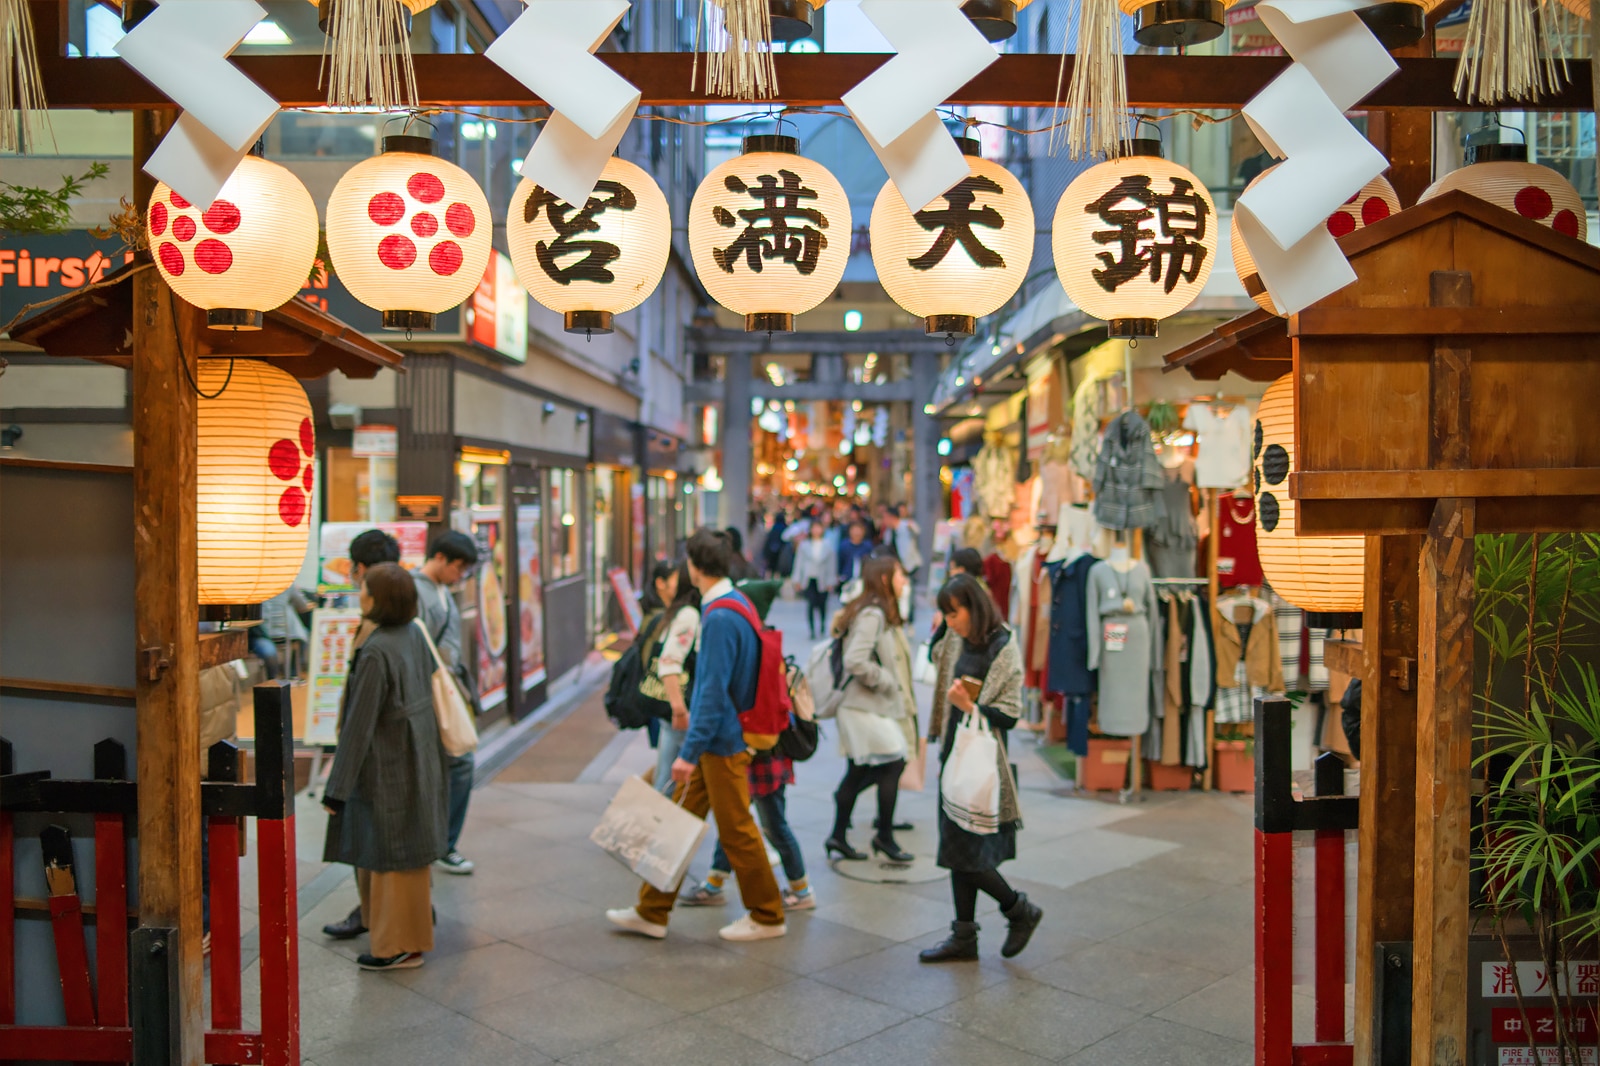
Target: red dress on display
[997, 572]
[1034, 677]
[1237, 560]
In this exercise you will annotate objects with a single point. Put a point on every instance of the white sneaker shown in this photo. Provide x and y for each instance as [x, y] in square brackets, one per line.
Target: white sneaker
[773, 858]
[628, 918]
[747, 928]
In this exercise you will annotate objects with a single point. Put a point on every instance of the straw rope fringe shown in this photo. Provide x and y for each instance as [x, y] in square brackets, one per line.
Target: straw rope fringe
[1513, 51]
[371, 55]
[21, 87]
[737, 48]
[1097, 104]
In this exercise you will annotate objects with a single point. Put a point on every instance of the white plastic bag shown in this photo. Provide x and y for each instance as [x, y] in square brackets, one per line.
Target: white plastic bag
[969, 785]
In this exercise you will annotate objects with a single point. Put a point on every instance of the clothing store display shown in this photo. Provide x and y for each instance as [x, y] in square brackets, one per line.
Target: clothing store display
[1248, 664]
[962, 493]
[997, 575]
[1170, 542]
[1202, 681]
[1176, 704]
[1128, 479]
[1237, 561]
[1224, 438]
[1058, 484]
[1076, 712]
[1086, 414]
[1291, 640]
[1031, 610]
[1124, 642]
[1069, 673]
[995, 468]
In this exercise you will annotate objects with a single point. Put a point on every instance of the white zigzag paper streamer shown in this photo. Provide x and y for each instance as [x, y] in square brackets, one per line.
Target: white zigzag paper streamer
[1299, 117]
[550, 50]
[182, 48]
[938, 50]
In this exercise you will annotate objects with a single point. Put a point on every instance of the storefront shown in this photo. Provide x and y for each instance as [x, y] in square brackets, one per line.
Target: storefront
[662, 501]
[614, 544]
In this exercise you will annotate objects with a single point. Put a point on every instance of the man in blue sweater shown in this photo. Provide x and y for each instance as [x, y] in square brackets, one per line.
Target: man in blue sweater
[712, 768]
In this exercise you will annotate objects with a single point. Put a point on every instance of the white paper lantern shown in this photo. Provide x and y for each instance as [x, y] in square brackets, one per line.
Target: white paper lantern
[251, 251]
[1376, 201]
[257, 463]
[769, 233]
[1502, 175]
[410, 234]
[1322, 574]
[1135, 239]
[962, 256]
[597, 262]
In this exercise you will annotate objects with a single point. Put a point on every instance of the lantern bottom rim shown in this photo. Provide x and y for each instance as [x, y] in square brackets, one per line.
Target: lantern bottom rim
[235, 318]
[769, 322]
[408, 320]
[1133, 328]
[791, 19]
[995, 19]
[1172, 23]
[1395, 24]
[230, 612]
[1333, 619]
[951, 325]
[588, 322]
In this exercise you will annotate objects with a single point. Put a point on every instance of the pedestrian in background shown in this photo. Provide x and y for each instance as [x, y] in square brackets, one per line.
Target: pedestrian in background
[451, 557]
[816, 575]
[674, 669]
[853, 552]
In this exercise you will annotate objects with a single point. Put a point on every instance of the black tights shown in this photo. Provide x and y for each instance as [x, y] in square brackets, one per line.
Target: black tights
[857, 779]
[816, 607]
[965, 886]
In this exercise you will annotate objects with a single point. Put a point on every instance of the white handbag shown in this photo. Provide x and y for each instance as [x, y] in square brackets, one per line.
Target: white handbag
[969, 785]
[457, 732]
[923, 672]
[649, 834]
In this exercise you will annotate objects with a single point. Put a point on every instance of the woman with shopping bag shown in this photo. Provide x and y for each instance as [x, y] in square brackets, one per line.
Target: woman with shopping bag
[976, 700]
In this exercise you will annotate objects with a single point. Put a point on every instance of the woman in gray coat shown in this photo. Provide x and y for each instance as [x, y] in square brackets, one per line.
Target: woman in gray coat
[386, 791]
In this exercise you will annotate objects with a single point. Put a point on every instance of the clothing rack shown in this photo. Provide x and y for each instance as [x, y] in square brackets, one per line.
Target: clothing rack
[1180, 581]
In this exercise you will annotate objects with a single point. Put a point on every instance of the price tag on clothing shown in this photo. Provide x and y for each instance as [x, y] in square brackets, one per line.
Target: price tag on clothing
[1116, 636]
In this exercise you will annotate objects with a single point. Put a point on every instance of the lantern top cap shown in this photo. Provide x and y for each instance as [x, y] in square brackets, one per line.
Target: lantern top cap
[408, 143]
[1496, 153]
[771, 142]
[969, 146]
[1141, 146]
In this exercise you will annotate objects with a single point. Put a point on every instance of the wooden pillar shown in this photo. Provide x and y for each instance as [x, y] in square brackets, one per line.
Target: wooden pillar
[1405, 136]
[1384, 873]
[166, 622]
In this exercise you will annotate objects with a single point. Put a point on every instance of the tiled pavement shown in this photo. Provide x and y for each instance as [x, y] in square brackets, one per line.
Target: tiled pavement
[1144, 955]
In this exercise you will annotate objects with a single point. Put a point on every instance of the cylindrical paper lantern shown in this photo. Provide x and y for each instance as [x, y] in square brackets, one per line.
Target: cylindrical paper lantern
[1502, 175]
[251, 251]
[962, 256]
[1377, 200]
[1135, 239]
[995, 19]
[1320, 574]
[792, 19]
[597, 262]
[409, 233]
[769, 233]
[257, 463]
[1174, 23]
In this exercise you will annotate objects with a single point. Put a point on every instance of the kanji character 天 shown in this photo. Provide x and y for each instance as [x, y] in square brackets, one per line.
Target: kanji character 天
[955, 221]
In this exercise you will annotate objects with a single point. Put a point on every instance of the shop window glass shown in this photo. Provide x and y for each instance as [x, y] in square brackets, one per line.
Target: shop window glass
[485, 600]
[603, 499]
[562, 524]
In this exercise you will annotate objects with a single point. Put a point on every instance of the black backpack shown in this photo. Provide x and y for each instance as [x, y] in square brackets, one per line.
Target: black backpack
[626, 706]
[800, 737]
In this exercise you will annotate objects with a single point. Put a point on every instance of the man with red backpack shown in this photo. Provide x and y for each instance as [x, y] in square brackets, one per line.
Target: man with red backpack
[739, 705]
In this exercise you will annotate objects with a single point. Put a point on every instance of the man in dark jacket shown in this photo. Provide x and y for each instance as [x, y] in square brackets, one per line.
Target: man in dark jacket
[712, 768]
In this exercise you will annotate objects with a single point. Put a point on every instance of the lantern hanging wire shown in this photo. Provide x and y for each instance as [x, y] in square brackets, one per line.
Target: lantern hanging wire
[735, 39]
[1514, 50]
[367, 54]
[21, 86]
[1096, 121]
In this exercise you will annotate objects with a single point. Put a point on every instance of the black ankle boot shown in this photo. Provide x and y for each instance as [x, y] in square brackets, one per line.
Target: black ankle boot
[962, 944]
[1024, 918]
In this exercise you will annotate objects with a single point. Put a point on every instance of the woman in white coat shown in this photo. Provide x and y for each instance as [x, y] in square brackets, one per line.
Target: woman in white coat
[816, 575]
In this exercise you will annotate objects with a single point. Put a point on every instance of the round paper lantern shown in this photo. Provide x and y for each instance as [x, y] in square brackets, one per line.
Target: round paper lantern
[409, 233]
[257, 456]
[251, 251]
[593, 263]
[995, 19]
[1175, 23]
[769, 233]
[962, 256]
[1377, 200]
[1502, 175]
[1577, 7]
[1135, 239]
[1320, 574]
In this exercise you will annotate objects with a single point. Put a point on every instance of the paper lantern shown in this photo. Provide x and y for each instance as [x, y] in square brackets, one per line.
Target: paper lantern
[257, 463]
[251, 251]
[792, 19]
[1175, 23]
[1319, 574]
[995, 19]
[409, 233]
[1377, 200]
[1502, 175]
[769, 233]
[1577, 7]
[962, 256]
[325, 13]
[1135, 239]
[597, 262]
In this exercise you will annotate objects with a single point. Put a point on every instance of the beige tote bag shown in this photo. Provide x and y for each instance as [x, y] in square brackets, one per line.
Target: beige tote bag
[456, 729]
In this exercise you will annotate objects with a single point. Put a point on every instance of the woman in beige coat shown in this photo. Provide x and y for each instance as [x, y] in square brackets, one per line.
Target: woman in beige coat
[878, 715]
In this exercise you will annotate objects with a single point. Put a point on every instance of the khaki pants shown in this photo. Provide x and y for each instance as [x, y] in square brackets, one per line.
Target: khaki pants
[397, 909]
[721, 785]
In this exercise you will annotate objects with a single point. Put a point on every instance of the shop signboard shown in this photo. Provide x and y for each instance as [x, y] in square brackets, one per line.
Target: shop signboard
[627, 599]
[35, 268]
[493, 635]
[333, 636]
[420, 508]
[333, 549]
[375, 442]
[497, 314]
[530, 587]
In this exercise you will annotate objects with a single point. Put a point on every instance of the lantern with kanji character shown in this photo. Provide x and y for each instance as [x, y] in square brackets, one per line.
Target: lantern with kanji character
[1502, 175]
[256, 458]
[251, 251]
[1377, 200]
[597, 261]
[769, 232]
[995, 19]
[409, 233]
[960, 257]
[1319, 574]
[1135, 239]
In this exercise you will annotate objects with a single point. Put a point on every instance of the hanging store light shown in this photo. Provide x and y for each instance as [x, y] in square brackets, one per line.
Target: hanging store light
[409, 233]
[769, 233]
[1175, 23]
[1502, 175]
[1135, 239]
[596, 262]
[251, 251]
[257, 469]
[793, 20]
[995, 19]
[961, 257]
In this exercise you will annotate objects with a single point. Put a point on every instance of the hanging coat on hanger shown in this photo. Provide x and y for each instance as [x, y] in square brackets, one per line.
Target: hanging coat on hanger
[1068, 673]
[1128, 478]
[1124, 646]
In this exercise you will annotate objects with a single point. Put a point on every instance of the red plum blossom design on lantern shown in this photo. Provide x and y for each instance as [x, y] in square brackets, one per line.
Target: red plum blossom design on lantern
[181, 221]
[398, 251]
[290, 460]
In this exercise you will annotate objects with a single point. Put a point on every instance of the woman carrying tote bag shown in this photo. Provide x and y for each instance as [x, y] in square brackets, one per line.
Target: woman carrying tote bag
[978, 654]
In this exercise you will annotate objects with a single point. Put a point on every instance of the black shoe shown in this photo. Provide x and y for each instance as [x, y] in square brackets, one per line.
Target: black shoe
[898, 827]
[962, 944]
[841, 847]
[348, 929]
[891, 851]
[406, 960]
[1024, 918]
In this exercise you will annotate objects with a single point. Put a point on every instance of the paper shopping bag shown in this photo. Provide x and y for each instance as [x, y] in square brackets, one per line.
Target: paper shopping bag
[649, 834]
[914, 778]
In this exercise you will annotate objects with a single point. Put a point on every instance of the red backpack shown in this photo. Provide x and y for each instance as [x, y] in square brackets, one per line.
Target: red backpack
[769, 717]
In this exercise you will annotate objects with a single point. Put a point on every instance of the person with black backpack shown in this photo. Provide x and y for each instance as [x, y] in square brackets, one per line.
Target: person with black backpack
[669, 672]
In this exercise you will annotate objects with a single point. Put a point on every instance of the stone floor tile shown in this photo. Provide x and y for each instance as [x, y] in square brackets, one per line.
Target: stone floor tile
[922, 1041]
[1083, 856]
[1134, 980]
[895, 976]
[573, 1016]
[508, 915]
[453, 1039]
[694, 977]
[888, 912]
[814, 944]
[1190, 937]
[1036, 1018]
[805, 1018]
[482, 975]
[687, 1040]
[1226, 1008]
[365, 1008]
[1154, 1041]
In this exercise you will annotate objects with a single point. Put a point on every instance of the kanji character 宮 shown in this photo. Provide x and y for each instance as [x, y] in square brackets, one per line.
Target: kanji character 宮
[1172, 248]
[770, 231]
[607, 196]
[955, 223]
